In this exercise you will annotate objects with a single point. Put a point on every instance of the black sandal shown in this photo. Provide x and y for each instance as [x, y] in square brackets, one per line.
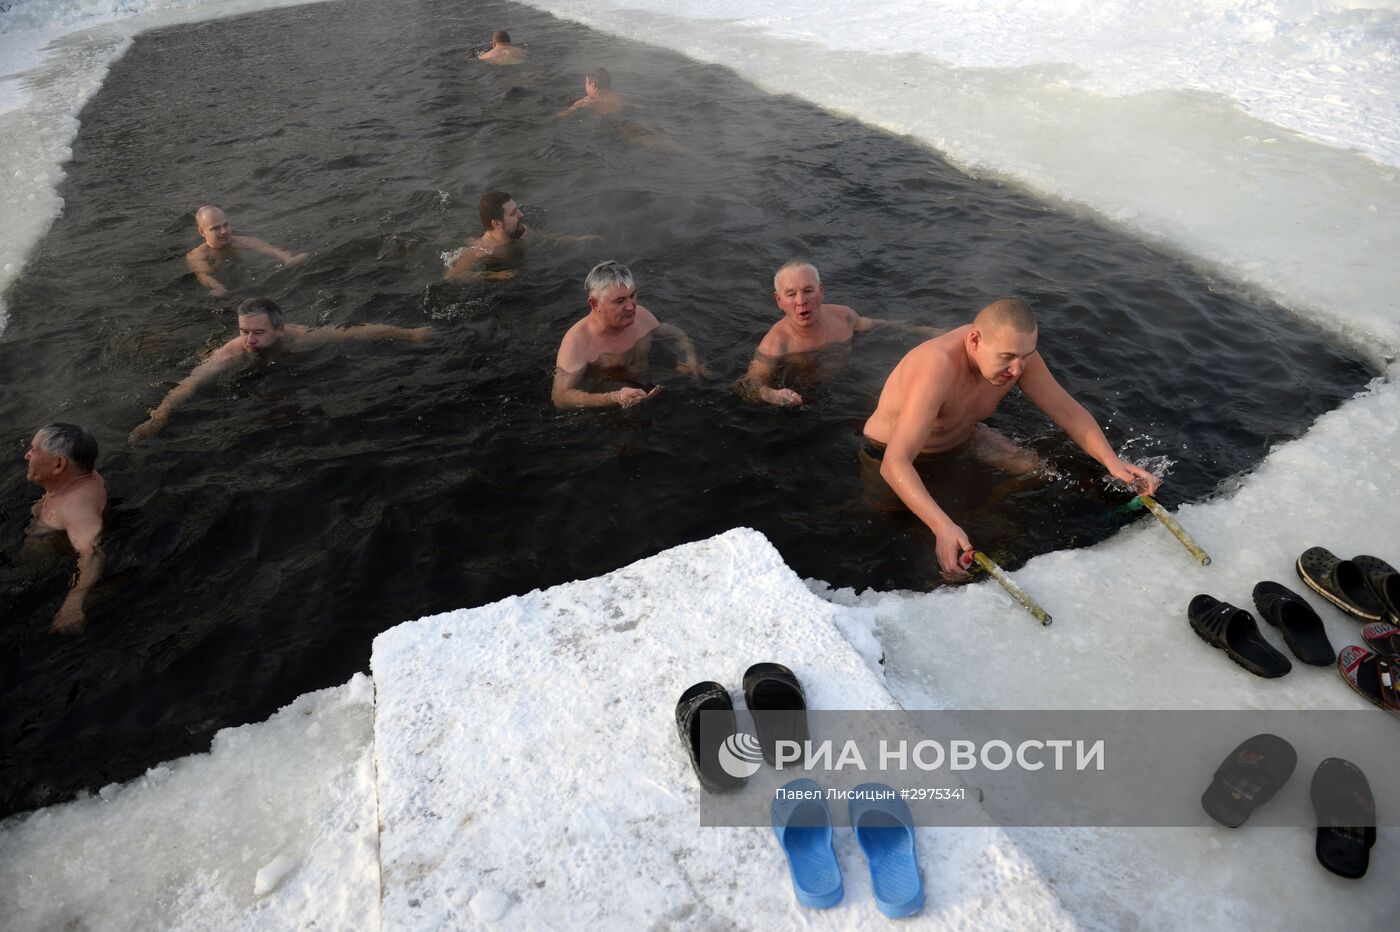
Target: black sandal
[1302, 628]
[1234, 631]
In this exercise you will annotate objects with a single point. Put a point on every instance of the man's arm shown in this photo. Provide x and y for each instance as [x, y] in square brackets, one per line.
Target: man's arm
[684, 349]
[222, 360]
[566, 394]
[204, 272]
[763, 368]
[364, 333]
[267, 249]
[866, 324]
[926, 398]
[1072, 417]
[84, 526]
[464, 269]
[544, 237]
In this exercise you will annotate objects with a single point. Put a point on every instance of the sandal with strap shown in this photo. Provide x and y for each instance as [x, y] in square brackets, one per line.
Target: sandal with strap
[1234, 631]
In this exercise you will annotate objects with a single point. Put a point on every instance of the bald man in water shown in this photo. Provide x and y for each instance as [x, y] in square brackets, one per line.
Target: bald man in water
[807, 325]
[263, 334]
[502, 52]
[62, 460]
[938, 395]
[218, 254]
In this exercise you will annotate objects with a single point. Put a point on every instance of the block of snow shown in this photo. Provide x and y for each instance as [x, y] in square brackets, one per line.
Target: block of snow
[272, 874]
[529, 767]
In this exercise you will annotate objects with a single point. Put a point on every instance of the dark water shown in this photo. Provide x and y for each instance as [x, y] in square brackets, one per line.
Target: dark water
[286, 516]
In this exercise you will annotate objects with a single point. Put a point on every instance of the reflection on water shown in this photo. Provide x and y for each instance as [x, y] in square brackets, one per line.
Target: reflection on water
[285, 516]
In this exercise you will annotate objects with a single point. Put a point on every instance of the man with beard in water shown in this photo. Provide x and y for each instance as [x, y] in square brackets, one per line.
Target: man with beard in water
[218, 254]
[613, 343]
[937, 397]
[62, 461]
[499, 246]
[807, 325]
[262, 333]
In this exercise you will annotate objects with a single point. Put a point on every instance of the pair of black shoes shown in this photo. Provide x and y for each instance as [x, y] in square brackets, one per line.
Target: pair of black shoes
[1341, 797]
[1234, 630]
[724, 757]
[1365, 587]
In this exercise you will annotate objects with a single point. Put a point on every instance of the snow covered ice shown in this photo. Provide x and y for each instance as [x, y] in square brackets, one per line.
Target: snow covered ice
[1260, 139]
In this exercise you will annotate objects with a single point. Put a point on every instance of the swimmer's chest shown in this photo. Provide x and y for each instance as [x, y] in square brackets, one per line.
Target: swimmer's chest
[969, 407]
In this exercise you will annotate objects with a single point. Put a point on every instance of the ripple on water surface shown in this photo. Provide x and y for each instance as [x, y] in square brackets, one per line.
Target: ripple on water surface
[287, 515]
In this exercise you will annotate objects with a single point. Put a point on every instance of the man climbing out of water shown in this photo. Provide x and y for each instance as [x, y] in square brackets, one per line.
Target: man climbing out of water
[501, 51]
[598, 95]
[218, 254]
[62, 461]
[263, 334]
[806, 326]
[613, 343]
[938, 395]
[503, 226]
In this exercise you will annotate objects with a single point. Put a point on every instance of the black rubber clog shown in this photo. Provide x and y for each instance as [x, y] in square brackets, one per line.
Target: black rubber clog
[778, 705]
[1340, 582]
[704, 756]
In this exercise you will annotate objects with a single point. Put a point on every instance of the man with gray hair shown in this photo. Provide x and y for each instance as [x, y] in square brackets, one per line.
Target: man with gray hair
[62, 461]
[806, 326]
[613, 344]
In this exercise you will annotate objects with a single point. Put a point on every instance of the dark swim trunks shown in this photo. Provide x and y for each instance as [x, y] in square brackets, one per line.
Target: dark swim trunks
[876, 451]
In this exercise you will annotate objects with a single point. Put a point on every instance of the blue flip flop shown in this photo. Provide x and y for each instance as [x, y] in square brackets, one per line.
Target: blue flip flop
[803, 826]
[885, 830]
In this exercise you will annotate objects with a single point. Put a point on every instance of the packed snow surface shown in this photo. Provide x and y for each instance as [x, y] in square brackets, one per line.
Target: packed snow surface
[273, 829]
[531, 775]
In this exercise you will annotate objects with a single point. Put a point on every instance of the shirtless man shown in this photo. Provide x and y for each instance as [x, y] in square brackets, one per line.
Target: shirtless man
[61, 461]
[598, 95]
[262, 333]
[613, 342]
[218, 253]
[503, 226]
[938, 395]
[502, 52]
[806, 326]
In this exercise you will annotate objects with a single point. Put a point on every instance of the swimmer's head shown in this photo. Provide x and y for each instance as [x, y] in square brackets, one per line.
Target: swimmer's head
[797, 287]
[499, 211]
[612, 293]
[1002, 338]
[214, 226]
[260, 324]
[500, 37]
[57, 447]
[597, 80]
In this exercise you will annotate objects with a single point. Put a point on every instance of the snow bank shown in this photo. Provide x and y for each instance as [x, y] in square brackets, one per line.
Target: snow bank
[531, 777]
[274, 828]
